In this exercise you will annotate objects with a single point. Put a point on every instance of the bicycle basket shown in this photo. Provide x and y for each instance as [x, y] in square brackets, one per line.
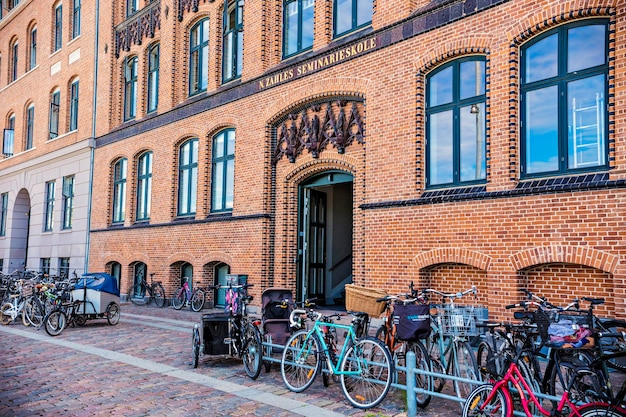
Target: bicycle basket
[458, 320]
[412, 321]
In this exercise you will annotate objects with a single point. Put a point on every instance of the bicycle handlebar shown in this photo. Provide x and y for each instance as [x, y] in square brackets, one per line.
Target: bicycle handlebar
[452, 296]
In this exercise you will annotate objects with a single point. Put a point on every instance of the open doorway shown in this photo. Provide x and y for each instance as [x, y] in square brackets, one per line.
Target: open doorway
[325, 237]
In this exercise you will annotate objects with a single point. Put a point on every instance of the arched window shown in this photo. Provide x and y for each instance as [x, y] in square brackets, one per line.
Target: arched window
[55, 102]
[455, 123]
[186, 271]
[30, 126]
[199, 57]
[221, 271]
[8, 137]
[223, 171]
[33, 49]
[153, 78]
[187, 177]
[140, 271]
[14, 61]
[130, 88]
[564, 89]
[57, 39]
[74, 105]
[115, 270]
[144, 186]
[119, 191]
[76, 19]
[232, 56]
[298, 18]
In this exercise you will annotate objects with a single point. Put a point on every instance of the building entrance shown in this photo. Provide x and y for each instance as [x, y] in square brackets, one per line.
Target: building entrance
[325, 237]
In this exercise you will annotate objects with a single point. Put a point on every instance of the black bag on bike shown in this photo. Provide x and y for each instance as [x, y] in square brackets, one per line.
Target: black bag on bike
[412, 321]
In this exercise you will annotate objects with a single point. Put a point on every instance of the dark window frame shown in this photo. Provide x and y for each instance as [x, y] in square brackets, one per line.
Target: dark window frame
[188, 169]
[76, 18]
[232, 67]
[198, 54]
[154, 57]
[68, 201]
[30, 127]
[55, 106]
[48, 223]
[219, 166]
[130, 88]
[74, 95]
[300, 29]
[58, 28]
[120, 172]
[4, 212]
[355, 25]
[144, 186]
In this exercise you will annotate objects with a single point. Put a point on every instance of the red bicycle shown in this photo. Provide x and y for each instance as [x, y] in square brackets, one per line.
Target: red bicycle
[495, 399]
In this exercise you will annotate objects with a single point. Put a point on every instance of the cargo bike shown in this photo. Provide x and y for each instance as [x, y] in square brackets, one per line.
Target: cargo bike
[93, 296]
[231, 333]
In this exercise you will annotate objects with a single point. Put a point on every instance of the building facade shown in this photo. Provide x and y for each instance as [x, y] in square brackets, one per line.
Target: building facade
[47, 70]
[309, 144]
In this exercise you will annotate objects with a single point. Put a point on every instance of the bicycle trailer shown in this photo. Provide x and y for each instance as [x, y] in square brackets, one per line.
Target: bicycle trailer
[214, 333]
[96, 291]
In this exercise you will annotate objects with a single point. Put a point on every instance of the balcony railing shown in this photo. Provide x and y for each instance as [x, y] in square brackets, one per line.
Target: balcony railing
[142, 24]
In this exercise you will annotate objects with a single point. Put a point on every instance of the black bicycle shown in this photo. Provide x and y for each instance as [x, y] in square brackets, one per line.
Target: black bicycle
[143, 293]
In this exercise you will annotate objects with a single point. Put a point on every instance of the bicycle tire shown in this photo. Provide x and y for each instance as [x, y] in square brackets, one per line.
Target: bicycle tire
[34, 312]
[613, 344]
[432, 345]
[423, 381]
[113, 313]
[486, 361]
[138, 298]
[252, 351]
[601, 410]
[464, 366]
[195, 347]
[55, 322]
[178, 301]
[372, 359]
[300, 362]
[197, 300]
[582, 384]
[476, 404]
[5, 317]
[159, 295]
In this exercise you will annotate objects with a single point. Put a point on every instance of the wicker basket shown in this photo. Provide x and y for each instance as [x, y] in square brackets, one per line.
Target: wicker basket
[364, 299]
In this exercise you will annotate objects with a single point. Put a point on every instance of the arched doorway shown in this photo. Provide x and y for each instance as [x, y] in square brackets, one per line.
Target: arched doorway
[20, 225]
[325, 237]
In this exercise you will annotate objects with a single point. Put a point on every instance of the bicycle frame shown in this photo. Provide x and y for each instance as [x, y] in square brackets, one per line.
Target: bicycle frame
[350, 341]
[515, 377]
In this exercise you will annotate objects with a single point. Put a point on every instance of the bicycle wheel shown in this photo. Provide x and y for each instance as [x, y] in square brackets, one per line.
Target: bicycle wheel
[5, 315]
[55, 322]
[423, 363]
[583, 385]
[178, 301]
[252, 351]
[601, 410]
[195, 346]
[137, 295]
[300, 362]
[434, 352]
[486, 361]
[366, 373]
[477, 404]
[614, 344]
[463, 365]
[113, 313]
[197, 300]
[34, 312]
[159, 295]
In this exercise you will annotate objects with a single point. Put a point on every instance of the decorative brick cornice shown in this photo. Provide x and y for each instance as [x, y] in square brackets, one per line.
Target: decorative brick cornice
[579, 255]
[134, 29]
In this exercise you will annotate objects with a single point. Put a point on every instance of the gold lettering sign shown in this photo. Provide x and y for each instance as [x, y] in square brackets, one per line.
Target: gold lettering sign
[318, 63]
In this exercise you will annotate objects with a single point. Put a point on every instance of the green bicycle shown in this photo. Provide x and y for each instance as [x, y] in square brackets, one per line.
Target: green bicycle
[363, 365]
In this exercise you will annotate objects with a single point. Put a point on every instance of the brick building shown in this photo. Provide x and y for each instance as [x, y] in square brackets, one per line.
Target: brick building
[309, 144]
[47, 118]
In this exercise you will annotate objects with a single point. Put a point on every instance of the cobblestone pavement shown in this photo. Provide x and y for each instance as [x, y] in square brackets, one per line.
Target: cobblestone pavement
[142, 367]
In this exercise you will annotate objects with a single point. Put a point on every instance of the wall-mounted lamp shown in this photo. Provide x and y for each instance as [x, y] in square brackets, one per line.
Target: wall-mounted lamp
[474, 109]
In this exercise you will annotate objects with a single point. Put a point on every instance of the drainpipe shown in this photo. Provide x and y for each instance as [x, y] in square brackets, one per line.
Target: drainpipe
[93, 133]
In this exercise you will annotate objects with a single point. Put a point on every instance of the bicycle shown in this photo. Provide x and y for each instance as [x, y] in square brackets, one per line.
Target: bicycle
[448, 345]
[243, 338]
[185, 296]
[154, 291]
[402, 334]
[495, 399]
[17, 299]
[363, 365]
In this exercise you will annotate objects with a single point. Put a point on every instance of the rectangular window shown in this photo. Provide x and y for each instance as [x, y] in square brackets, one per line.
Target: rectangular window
[30, 126]
[232, 40]
[564, 85]
[153, 78]
[58, 28]
[33, 49]
[187, 177]
[119, 190]
[7, 142]
[44, 265]
[74, 106]
[144, 186]
[223, 171]
[68, 201]
[54, 114]
[351, 15]
[49, 207]
[131, 7]
[76, 19]
[4, 206]
[130, 88]
[64, 267]
[298, 26]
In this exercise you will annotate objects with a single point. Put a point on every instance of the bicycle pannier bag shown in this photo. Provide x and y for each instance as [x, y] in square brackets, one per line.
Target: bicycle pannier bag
[412, 321]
